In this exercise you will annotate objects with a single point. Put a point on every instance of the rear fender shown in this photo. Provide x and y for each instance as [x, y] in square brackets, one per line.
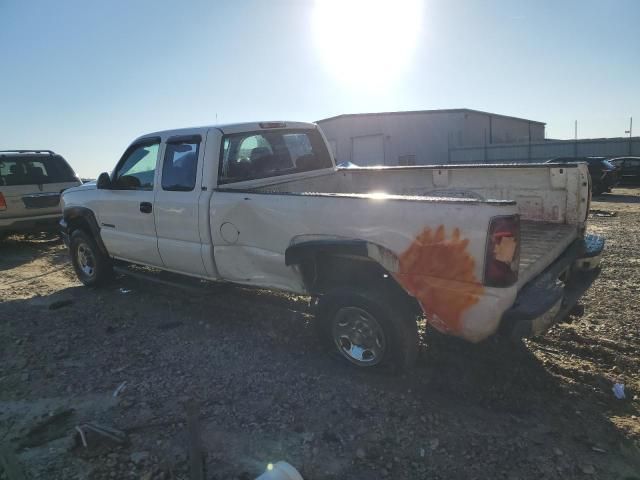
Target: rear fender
[324, 263]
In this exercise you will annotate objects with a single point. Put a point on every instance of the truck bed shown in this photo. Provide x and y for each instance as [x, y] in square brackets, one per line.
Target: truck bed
[551, 200]
[541, 244]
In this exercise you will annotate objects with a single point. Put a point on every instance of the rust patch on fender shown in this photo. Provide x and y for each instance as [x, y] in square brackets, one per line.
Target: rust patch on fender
[439, 272]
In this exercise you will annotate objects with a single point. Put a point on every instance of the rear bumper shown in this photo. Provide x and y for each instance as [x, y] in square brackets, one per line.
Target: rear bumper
[29, 224]
[550, 297]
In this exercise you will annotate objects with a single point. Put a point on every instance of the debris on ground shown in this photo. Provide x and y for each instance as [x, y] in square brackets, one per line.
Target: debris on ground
[618, 390]
[119, 389]
[602, 213]
[280, 471]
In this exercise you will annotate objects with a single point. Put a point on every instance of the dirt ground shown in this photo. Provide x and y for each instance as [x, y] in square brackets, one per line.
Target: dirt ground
[242, 371]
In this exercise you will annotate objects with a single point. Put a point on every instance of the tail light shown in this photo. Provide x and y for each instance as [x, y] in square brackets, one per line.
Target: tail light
[503, 251]
[3, 202]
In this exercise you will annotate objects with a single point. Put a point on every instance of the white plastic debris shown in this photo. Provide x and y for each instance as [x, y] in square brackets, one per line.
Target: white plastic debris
[618, 390]
[280, 471]
[82, 437]
[120, 388]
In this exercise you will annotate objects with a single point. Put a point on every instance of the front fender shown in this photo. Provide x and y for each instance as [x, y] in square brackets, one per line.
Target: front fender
[83, 217]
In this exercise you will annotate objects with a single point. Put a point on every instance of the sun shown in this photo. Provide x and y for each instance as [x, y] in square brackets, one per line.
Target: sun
[367, 43]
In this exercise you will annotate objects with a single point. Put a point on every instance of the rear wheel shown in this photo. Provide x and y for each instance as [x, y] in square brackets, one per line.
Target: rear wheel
[368, 328]
[92, 267]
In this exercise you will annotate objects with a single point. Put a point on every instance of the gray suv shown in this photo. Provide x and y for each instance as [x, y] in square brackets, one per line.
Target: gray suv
[30, 185]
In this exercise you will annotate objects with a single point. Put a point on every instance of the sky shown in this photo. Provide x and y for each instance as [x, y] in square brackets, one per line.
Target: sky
[85, 78]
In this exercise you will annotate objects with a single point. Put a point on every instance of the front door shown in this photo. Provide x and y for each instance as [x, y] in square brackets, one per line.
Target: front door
[177, 206]
[125, 211]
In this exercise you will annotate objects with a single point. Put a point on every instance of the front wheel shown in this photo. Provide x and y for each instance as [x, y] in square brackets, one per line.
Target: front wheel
[92, 267]
[368, 328]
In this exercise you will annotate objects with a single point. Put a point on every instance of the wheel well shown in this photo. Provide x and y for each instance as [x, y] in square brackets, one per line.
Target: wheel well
[80, 218]
[323, 273]
[79, 223]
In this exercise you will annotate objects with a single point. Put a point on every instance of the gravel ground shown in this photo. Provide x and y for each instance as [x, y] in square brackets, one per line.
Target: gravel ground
[248, 364]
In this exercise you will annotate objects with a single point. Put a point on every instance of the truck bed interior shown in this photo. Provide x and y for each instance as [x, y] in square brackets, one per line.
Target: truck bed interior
[541, 243]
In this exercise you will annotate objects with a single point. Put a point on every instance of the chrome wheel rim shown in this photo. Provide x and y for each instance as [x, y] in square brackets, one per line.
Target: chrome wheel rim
[86, 259]
[358, 336]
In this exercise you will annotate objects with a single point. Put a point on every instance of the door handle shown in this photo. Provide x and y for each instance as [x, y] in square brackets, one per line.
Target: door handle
[146, 207]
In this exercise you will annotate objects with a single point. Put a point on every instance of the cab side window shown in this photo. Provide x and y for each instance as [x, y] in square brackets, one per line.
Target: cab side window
[137, 168]
[180, 165]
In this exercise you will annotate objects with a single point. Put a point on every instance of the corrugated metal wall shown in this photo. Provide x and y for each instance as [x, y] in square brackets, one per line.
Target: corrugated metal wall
[423, 137]
[542, 151]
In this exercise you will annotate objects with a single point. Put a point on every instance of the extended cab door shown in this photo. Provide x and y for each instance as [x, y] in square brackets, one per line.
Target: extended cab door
[177, 205]
[125, 211]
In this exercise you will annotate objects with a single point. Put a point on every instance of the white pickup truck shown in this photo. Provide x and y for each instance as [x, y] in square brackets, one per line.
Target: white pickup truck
[477, 249]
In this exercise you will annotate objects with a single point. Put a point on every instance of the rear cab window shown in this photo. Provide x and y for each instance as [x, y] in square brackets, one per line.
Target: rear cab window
[34, 170]
[270, 153]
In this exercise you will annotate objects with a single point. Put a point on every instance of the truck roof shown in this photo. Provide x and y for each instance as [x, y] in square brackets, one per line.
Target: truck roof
[232, 128]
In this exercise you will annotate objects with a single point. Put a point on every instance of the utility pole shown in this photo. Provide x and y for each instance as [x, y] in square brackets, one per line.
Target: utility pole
[575, 137]
[630, 132]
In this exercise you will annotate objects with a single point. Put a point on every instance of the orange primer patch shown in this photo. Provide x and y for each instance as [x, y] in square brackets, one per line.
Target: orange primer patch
[439, 273]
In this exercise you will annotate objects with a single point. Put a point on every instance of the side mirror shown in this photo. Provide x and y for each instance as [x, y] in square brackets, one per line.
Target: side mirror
[104, 181]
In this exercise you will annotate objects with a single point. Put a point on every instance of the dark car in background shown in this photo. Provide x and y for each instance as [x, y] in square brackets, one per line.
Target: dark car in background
[31, 182]
[604, 174]
[628, 169]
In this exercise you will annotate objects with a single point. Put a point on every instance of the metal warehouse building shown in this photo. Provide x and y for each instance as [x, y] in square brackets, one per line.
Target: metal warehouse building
[421, 137]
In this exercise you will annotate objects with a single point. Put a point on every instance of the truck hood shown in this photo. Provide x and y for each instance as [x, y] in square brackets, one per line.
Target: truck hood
[85, 186]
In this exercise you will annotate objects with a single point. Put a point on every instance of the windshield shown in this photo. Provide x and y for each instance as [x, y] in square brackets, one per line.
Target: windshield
[269, 153]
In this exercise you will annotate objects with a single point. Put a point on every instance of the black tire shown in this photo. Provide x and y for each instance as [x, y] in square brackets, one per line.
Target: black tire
[391, 315]
[92, 267]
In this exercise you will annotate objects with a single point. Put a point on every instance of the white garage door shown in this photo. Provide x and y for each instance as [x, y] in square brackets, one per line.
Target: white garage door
[368, 150]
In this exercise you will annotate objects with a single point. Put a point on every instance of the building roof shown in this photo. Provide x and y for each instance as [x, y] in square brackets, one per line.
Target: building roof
[450, 110]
